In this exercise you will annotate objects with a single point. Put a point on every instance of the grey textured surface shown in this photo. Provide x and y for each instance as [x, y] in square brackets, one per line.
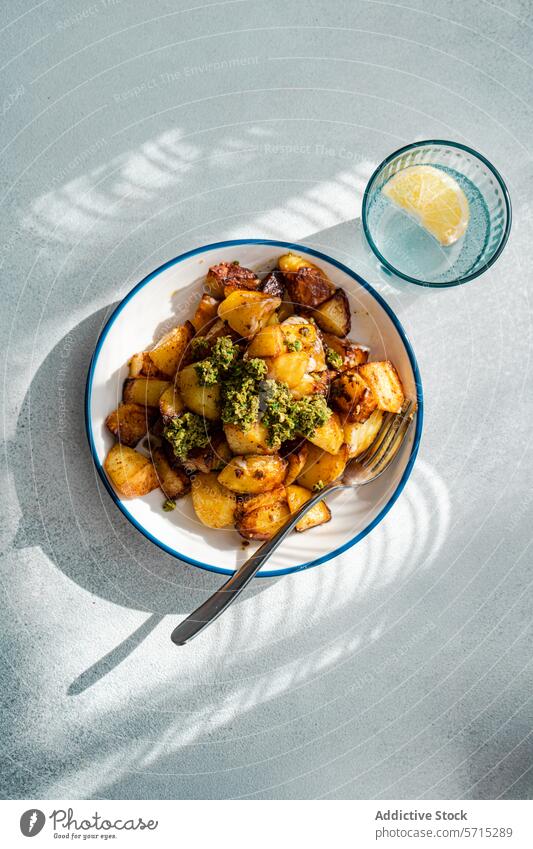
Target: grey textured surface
[133, 131]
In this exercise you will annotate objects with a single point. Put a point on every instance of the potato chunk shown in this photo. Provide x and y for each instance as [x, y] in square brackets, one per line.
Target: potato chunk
[322, 468]
[288, 368]
[206, 313]
[247, 312]
[168, 354]
[350, 394]
[213, 504]
[386, 386]
[210, 458]
[202, 400]
[358, 436]
[274, 284]
[253, 473]
[230, 275]
[328, 436]
[333, 316]
[351, 353]
[144, 390]
[264, 522]
[317, 515]
[249, 503]
[268, 342]
[172, 480]
[171, 403]
[131, 473]
[130, 422]
[252, 441]
[296, 461]
[309, 287]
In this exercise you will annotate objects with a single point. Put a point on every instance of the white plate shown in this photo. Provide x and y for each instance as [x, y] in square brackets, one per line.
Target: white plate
[167, 297]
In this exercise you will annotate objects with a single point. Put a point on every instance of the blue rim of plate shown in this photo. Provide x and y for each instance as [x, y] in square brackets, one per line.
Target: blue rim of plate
[273, 573]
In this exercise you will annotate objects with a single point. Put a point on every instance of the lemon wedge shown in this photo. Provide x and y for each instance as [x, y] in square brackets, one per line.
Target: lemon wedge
[433, 198]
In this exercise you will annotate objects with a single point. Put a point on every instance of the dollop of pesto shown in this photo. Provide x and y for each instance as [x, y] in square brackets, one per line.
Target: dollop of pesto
[215, 367]
[169, 505]
[240, 392]
[187, 432]
[285, 417]
[333, 359]
[199, 346]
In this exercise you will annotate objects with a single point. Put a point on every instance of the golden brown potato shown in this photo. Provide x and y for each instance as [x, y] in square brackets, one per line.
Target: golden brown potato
[263, 523]
[385, 385]
[247, 312]
[317, 515]
[268, 342]
[333, 316]
[172, 480]
[213, 504]
[253, 473]
[144, 390]
[232, 275]
[328, 436]
[358, 436]
[291, 263]
[130, 422]
[131, 473]
[252, 441]
[352, 354]
[248, 503]
[299, 333]
[285, 310]
[311, 384]
[322, 468]
[202, 400]
[210, 458]
[350, 394]
[206, 313]
[288, 368]
[309, 287]
[171, 403]
[168, 354]
[296, 461]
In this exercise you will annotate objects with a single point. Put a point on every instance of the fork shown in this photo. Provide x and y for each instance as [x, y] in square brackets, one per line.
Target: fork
[362, 470]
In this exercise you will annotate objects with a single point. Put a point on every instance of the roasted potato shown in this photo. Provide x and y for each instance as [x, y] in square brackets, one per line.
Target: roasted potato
[350, 394]
[273, 284]
[213, 504]
[232, 276]
[296, 461]
[144, 390]
[247, 312]
[358, 436]
[309, 287]
[249, 503]
[171, 403]
[172, 480]
[131, 473]
[291, 263]
[328, 436]
[317, 515]
[130, 422]
[288, 368]
[268, 342]
[210, 458]
[321, 468]
[352, 354]
[168, 354]
[299, 333]
[385, 385]
[252, 441]
[141, 365]
[202, 400]
[253, 473]
[333, 316]
[206, 313]
[311, 384]
[263, 523]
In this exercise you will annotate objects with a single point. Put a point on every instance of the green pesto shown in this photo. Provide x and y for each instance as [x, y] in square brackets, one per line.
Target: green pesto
[294, 345]
[187, 432]
[333, 359]
[213, 369]
[199, 346]
[309, 413]
[240, 392]
[285, 417]
[318, 486]
[169, 505]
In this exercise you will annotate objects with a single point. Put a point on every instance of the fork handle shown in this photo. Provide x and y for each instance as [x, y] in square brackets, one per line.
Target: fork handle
[228, 592]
